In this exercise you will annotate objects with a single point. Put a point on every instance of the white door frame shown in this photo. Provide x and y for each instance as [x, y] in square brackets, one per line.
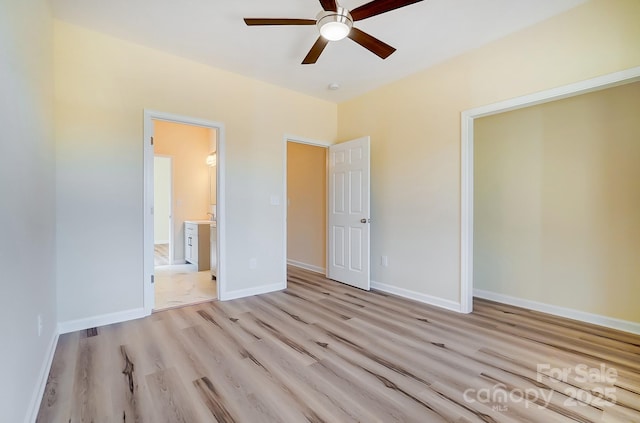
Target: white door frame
[300, 140]
[466, 151]
[171, 234]
[149, 117]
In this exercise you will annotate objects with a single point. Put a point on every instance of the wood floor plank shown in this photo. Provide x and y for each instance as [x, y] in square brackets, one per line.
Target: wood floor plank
[129, 401]
[380, 405]
[92, 398]
[231, 389]
[172, 404]
[57, 398]
[320, 396]
[320, 351]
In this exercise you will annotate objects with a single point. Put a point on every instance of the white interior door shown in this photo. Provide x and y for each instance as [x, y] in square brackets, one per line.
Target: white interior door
[349, 206]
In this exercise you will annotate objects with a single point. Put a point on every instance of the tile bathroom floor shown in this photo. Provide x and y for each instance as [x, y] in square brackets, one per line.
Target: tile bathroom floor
[161, 255]
[180, 285]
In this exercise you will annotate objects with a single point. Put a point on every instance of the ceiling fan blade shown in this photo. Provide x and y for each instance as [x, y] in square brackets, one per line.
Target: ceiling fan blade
[377, 7]
[315, 51]
[375, 46]
[329, 5]
[278, 21]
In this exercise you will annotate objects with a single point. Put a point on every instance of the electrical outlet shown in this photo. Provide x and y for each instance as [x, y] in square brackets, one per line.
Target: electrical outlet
[384, 261]
[40, 325]
[253, 263]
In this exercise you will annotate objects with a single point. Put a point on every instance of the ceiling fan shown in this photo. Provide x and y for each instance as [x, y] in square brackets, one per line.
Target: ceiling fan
[336, 22]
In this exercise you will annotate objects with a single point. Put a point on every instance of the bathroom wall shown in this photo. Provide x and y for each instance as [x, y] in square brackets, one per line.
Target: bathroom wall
[162, 187]
[189, 147]
[213, 194]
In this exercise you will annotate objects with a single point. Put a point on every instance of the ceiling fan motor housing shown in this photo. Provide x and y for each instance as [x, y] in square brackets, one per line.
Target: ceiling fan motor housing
[336, 25]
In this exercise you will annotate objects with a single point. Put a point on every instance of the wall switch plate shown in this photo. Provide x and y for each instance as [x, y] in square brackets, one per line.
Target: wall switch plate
[274, 200]
[253, 263]
[384, 261]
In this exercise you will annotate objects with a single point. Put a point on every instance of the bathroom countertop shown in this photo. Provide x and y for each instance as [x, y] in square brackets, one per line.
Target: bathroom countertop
[203, 222]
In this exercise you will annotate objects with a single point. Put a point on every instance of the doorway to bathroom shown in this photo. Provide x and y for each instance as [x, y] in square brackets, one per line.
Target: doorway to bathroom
[182, 163]
[184, 213]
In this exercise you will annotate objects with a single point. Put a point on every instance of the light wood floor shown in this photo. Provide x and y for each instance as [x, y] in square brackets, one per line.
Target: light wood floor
[323, 352]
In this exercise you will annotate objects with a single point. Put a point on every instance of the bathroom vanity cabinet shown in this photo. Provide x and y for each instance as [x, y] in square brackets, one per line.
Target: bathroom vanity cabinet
[214, 251]
[196, 243]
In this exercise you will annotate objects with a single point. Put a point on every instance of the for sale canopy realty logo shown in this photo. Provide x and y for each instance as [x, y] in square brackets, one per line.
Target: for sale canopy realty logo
[598, 388]
[599, 382]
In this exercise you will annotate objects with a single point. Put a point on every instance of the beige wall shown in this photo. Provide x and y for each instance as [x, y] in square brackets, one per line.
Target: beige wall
[103, 84]
[307, 204]
[189, 146]
[557, 200]
[27, 205]
[102, 87]
[415, 132]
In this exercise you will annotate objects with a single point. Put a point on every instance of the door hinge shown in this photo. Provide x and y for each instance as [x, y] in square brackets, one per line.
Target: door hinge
[151, 140]
[153, 279]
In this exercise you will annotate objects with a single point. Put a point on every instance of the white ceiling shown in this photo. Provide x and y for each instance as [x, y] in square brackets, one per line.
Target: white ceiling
[213, 32]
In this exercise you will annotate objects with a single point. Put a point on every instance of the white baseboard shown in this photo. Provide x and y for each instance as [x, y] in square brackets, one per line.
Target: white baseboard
[160, 242]
[417, 296]
[102, 320]
[43, 376]
[241, 293]
[306, 266]
[173, 263]
[596, 319]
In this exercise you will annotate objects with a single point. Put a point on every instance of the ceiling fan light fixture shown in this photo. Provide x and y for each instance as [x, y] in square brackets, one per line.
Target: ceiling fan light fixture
[335, 26]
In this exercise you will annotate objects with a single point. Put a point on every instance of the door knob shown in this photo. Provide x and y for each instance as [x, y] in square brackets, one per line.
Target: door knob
[363, 220]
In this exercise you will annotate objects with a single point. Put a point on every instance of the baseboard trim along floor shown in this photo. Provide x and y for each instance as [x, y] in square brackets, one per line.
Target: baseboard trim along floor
[417, 296]
[248, 292]
[102, 320]
[596, 319]
[310, 267]
[38, 393]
